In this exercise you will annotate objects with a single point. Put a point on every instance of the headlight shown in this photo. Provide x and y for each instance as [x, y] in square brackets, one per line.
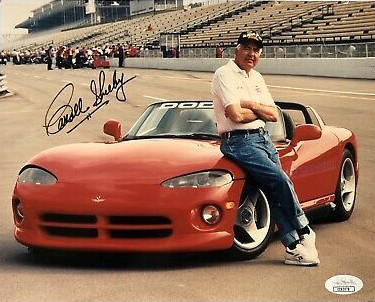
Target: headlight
[36, 176]
[200, 180]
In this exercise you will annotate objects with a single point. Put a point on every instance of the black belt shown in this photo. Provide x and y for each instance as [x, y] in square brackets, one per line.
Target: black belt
[242, 132]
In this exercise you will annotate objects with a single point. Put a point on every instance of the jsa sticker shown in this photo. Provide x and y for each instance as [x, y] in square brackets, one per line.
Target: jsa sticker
[344, 284]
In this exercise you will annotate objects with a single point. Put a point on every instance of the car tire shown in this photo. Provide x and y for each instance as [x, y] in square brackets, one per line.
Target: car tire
[346, 188]
[254, 226]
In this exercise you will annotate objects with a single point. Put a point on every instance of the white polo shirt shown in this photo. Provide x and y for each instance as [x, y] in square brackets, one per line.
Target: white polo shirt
[230, 85]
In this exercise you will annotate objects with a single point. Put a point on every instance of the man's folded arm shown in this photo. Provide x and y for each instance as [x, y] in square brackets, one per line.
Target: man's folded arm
[238, 114]
[264, 112]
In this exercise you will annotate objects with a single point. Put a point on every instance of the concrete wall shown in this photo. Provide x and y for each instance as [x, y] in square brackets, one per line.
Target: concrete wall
[140, 7]
[356, 68]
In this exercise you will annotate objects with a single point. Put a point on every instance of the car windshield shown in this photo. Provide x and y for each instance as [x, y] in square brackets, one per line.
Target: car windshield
[195, 119]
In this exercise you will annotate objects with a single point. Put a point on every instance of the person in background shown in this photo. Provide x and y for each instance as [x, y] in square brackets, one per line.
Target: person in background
[219, 51]
[49, 55]
[69, 57]
[121, 55]
[59, 57]
[133, 52]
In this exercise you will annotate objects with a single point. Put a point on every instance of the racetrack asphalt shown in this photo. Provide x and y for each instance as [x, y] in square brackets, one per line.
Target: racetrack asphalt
[345, 248]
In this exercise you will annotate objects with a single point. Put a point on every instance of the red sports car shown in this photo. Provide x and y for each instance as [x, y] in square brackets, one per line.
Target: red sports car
[165, 186]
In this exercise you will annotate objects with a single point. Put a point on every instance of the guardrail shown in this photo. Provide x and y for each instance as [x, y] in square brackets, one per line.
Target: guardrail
[353, 68]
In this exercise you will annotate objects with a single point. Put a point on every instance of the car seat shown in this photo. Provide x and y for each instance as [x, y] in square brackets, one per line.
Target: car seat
[289, 125]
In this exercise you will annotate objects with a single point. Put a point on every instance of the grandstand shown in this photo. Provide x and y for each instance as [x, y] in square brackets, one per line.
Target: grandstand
[292, 22]
[66, 14]
[281, 23]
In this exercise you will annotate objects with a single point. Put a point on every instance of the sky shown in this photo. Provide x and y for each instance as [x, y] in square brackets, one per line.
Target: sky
[13, 12]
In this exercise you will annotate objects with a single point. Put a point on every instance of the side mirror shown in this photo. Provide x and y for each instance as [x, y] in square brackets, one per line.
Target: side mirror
[305, 133]
[113, 128]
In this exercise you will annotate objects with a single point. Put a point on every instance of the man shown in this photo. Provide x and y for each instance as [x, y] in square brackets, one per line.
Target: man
[49, 54]
[121, 55]
[242, 106]
[219, 51]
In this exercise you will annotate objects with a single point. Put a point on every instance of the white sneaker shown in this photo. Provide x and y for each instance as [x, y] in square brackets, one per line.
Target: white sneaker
[301, 256]
[308, 241]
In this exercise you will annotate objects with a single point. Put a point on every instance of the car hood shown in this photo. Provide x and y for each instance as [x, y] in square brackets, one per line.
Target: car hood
[133, 161]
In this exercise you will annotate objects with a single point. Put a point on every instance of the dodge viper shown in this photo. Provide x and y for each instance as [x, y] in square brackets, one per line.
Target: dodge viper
[166, 187]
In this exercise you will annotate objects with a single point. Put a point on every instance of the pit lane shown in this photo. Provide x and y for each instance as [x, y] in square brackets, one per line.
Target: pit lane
[345, 248]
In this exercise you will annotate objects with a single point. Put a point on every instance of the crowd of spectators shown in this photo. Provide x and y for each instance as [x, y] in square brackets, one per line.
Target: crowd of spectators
[68, 57]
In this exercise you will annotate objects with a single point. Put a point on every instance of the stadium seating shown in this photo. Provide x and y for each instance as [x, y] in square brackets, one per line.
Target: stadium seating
[283, 22]
[350, 21]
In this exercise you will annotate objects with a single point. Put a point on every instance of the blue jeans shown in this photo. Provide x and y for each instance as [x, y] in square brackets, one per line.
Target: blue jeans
[257, 155]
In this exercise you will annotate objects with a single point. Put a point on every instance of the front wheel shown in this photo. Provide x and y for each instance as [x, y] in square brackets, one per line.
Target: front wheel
[254, 226]
[346, 189]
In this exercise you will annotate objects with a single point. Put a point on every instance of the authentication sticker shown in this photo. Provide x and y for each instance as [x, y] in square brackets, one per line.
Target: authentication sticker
[344, 284]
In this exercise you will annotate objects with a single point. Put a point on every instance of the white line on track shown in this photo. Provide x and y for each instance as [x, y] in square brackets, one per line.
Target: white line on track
[155, 98]
[281, 87]
[322, 90]
[22, 111]
[341, 96]
[177, 78]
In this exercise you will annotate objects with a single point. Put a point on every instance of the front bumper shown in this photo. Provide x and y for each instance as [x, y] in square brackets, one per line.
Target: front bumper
[124, 217]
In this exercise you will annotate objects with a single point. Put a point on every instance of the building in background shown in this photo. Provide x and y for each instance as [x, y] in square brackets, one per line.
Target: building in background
[67, 14]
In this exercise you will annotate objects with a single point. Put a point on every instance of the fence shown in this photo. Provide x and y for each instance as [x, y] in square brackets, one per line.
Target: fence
[357, 50]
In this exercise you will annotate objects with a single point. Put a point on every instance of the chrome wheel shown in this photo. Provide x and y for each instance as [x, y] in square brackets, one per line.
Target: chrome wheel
[347, 184]
[253, 223]
[346, 188]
